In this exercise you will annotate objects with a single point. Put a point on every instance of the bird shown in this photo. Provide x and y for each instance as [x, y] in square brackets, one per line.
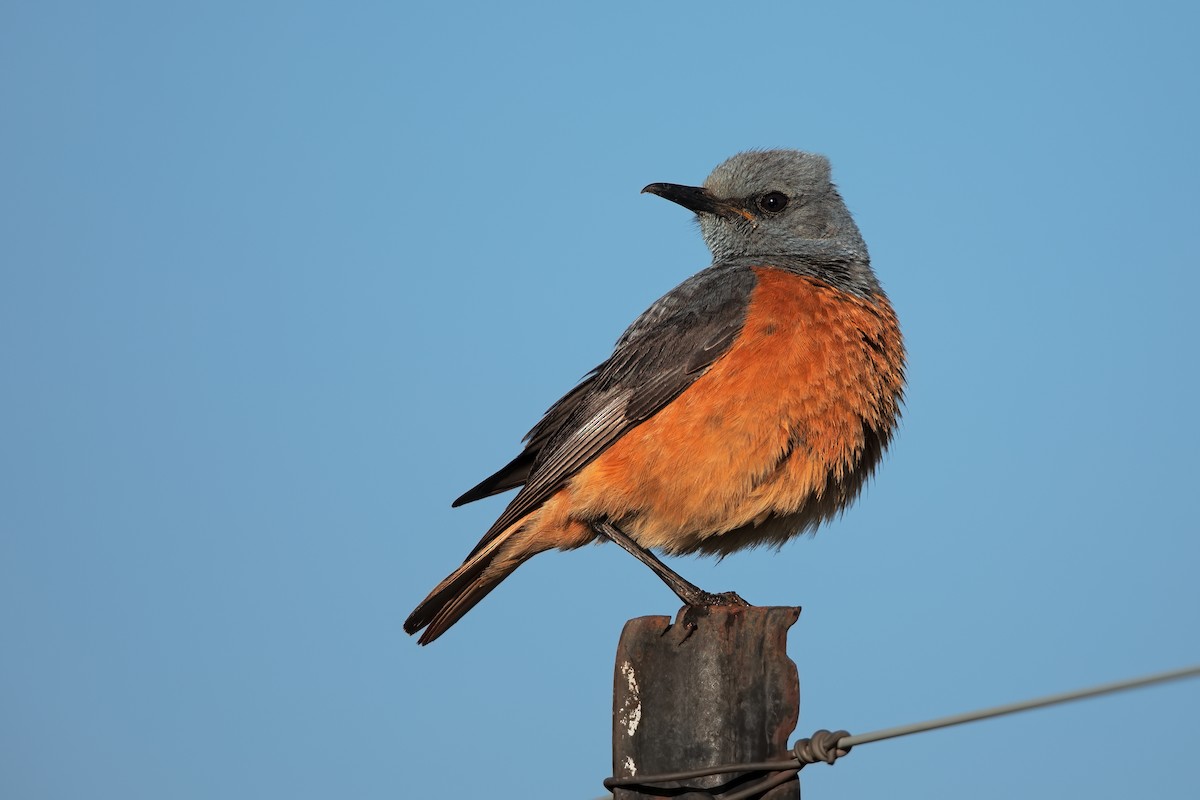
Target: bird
[748, 405]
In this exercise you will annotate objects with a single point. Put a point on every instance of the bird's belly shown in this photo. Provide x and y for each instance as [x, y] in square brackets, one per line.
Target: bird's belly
[778, 435]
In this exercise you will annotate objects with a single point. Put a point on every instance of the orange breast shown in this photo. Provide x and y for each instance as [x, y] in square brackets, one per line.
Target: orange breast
[777, 436]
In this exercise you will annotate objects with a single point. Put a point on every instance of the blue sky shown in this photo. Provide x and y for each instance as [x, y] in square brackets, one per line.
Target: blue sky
[282, 279]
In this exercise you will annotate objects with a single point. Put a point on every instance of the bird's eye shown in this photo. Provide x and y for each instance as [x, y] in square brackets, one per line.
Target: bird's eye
[773, 202]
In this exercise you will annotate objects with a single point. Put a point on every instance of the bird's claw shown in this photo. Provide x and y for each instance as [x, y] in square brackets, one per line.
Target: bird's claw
[705, 599]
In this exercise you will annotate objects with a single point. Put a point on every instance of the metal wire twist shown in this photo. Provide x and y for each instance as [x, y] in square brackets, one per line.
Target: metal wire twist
[821, 746]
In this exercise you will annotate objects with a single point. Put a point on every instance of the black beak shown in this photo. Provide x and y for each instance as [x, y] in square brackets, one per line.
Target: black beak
[694, 198]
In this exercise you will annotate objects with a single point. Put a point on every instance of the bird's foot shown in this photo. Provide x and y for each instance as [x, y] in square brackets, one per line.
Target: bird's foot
[705, 599]
[699, 605]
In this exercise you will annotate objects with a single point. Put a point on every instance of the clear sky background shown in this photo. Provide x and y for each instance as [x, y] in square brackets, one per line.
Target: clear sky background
[280, 280]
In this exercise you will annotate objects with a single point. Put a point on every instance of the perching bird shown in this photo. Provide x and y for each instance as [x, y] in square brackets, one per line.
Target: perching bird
[746, 406]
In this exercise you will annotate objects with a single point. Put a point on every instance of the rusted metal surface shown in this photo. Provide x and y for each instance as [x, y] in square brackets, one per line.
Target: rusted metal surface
[715, 687]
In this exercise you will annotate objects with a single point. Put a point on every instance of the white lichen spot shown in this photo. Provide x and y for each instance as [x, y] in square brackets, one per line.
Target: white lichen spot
[627, 671]
[631, 710]
[630, 767]
[632, 719]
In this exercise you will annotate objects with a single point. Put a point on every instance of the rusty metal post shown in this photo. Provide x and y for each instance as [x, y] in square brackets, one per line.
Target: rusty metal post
[716, 687]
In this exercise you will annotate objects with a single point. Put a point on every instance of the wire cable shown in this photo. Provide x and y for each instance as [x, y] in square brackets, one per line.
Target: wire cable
[1012, 708]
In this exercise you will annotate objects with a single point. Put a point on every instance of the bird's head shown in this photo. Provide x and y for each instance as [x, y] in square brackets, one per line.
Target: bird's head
[769, 203]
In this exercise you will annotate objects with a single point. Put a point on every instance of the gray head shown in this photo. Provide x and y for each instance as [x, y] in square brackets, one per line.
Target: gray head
[772, 203]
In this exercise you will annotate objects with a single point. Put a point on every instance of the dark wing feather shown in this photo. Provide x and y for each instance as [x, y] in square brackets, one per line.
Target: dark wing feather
[516, 472]
[666, 349]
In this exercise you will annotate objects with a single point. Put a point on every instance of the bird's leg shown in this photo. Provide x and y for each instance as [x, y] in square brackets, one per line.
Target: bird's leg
[688, 592]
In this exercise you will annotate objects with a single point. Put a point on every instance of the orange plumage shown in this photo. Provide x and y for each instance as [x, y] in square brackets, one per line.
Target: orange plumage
[773, 439]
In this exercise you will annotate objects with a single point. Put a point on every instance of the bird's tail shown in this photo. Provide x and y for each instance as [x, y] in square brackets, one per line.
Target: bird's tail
[465, 587]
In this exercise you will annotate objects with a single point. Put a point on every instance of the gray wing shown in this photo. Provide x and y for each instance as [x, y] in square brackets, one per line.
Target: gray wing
[660, 355]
